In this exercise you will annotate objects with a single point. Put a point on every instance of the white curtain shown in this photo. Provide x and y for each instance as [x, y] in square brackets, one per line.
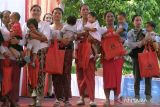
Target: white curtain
[14, 6]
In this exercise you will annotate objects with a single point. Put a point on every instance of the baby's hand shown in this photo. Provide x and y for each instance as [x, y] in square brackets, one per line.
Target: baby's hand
[121, 40]
[148, 38]
[119, 30]
[33, 30]
[155, 46]
[86, 28]
[65, 37]
[65, 41]
[6, 54]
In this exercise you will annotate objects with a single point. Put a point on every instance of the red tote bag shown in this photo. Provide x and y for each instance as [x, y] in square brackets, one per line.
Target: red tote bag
[148, 63]
[112, 46]
[54, 59]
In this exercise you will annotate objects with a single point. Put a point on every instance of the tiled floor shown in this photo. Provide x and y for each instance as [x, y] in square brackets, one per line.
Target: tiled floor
[49, 103]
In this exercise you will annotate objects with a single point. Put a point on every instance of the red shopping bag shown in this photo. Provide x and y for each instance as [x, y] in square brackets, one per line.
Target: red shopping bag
[54, 59]
[112, 46]
[7, 74]
[148, 63]
[33, 74]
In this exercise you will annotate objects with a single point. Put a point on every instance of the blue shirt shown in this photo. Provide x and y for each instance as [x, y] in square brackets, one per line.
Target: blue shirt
[125, 28]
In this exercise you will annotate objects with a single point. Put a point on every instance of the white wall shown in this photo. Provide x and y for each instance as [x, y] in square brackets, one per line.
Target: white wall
[14, 6]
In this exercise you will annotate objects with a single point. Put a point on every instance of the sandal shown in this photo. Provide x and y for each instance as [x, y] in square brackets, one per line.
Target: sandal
[57, 104]
[6, 102]
[33, 102]
[117, 102]
[106, 104]
[67, 104]
[15, 105]
[80, 102]
[93, 104]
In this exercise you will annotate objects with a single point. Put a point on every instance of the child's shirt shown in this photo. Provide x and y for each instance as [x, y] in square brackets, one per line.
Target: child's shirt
[156, 37]
[69, 31]
[124, 26]
[150, 34]
[16, 28]
[96, 35]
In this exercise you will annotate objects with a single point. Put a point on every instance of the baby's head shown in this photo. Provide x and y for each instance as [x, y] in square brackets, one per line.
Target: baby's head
[71, 20]
[92, 17]
[48, 18]
[121, 17]
[14, 17]
[150, 26]
[32, 24]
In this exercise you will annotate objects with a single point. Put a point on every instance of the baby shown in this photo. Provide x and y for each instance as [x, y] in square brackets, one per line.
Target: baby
[93, 27]
[150, 26]
[69, 31]
[33, 45]
[15, 32]
[122, 26]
